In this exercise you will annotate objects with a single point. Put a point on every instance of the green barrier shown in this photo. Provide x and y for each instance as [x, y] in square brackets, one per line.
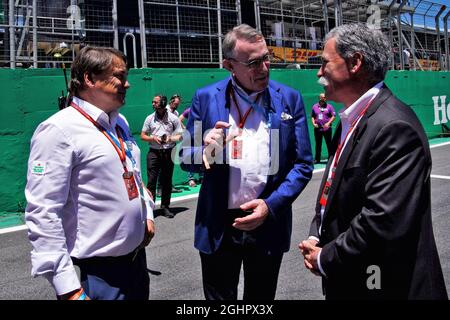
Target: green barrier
[30, 96]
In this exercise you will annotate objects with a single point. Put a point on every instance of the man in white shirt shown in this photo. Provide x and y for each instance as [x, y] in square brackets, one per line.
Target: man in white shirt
[174, 103]
[161, 130]
[172, 107]
[372, 236]
[406, 57]
[86, 204]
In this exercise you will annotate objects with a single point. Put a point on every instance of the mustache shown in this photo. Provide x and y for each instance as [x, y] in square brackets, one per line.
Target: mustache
[323, 81]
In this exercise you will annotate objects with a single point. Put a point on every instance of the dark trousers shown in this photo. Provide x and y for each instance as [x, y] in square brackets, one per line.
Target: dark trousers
[318, 137]
[115, 278]
[160, 167]
[220, 270]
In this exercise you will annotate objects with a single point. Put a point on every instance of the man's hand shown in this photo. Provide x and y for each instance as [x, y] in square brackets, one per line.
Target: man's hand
[215, 139]
[326, 125]
[157, 139]
[254, 220]
[310, 253]
[149, 233]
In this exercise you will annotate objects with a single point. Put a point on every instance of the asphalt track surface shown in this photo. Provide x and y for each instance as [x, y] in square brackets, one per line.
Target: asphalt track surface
[174, 264]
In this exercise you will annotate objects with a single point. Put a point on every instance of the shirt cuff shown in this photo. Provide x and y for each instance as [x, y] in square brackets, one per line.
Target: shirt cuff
[319, 265]
[149, 206]
[64, 282]
[313, 238]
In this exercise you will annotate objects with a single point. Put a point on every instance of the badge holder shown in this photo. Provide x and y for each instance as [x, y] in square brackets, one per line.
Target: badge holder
[130, 184]
[236, 147]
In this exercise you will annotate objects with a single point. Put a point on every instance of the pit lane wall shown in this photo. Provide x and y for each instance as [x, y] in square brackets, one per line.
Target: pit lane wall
[29, 96]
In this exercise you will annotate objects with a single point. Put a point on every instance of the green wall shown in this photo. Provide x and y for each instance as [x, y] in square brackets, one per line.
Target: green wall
[29, 96]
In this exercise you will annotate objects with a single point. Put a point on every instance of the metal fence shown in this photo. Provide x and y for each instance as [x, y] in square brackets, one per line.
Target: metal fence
[45, 33]
[187, 31]
[295, 29]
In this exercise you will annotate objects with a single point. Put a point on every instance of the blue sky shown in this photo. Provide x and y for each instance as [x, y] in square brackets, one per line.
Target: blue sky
[432, 11]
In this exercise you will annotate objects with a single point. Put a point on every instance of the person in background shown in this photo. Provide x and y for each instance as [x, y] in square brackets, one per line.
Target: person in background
[372, 234]
[172, 107]
[244, 211]
[174, 103]
[191, 181]
[86, 203]
[184, 116]
[322, 116]
[406, 58]
[161, 130]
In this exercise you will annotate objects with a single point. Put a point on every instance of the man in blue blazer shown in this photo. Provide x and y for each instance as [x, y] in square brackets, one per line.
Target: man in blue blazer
[250, 136]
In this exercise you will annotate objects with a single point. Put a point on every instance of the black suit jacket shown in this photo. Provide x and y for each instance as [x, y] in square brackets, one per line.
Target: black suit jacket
[379, 210]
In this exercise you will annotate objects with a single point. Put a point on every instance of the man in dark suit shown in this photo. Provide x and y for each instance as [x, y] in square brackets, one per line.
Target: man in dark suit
[372, 235]
[244, 213]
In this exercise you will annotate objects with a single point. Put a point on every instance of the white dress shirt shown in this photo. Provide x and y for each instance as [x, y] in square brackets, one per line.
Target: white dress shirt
[77, 202]
[248, 176]
[348, 116]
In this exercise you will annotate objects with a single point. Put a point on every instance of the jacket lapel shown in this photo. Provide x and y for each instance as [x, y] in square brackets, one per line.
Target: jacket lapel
[222, 112]
[275, 108]
[358, 132]
[223, 102]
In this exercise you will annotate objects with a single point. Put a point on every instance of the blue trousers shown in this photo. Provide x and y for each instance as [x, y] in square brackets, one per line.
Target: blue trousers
[115, 278]
[221, 269]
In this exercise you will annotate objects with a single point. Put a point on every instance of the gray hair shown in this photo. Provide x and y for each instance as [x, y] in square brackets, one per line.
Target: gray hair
[241, 32]
[372, 44]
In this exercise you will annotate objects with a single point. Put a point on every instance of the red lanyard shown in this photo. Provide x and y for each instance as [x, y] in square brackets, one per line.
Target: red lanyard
[326, 188]
[242, 119]
[349, 132]
[121, 152]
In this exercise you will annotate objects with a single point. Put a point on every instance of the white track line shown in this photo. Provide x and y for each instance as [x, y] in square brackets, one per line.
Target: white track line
[440, 177]
[440, 145]
[13, 229]
[193, 196]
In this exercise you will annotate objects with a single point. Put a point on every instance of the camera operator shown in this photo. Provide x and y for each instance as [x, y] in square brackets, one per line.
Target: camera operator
[161, 130]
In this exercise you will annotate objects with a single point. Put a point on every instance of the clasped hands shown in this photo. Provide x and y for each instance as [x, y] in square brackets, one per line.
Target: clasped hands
[310, 252]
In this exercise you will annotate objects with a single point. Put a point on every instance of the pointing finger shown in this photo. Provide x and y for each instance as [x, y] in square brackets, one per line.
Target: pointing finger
[221, 125]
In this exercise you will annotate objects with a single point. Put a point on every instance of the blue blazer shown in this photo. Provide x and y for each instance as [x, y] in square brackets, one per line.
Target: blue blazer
[294, 157]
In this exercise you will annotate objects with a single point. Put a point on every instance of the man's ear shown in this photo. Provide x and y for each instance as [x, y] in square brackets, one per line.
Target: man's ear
[227, 65]
[88, 80]
[356, 62]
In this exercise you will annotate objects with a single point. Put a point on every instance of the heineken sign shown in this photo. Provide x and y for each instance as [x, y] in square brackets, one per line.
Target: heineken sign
[441, 110]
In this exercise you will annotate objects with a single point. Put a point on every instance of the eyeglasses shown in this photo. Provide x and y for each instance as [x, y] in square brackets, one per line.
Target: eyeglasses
[255, 63]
